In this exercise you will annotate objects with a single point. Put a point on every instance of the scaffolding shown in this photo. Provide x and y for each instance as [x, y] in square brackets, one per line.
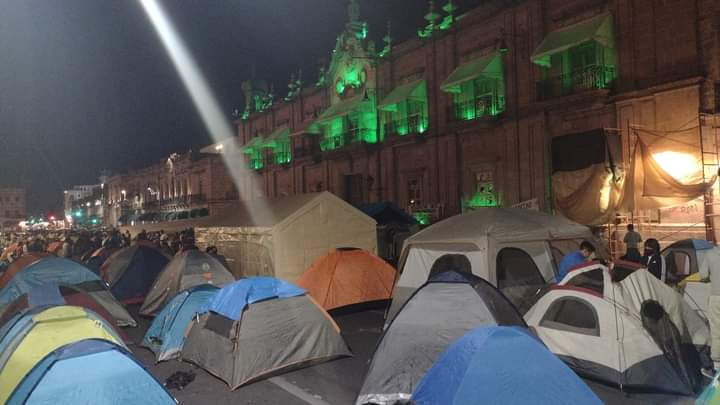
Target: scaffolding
[709, 128]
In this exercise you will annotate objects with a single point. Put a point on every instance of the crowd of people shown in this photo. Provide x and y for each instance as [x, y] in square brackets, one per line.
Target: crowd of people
[81, 244]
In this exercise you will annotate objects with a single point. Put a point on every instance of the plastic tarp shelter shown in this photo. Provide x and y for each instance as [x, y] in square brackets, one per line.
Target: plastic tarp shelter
[501, 365]
[489, 66]
[269, 337]
[348, 276]
[281, 237]
[28, 339]
[47, 270]
[130, 272]
[416, 89]
[90, 372]
[513, 249]
[188, 269]
[340, 109]
[598, 29]
[444, 309]
[166, 335]
[636, 332]
[48, 295]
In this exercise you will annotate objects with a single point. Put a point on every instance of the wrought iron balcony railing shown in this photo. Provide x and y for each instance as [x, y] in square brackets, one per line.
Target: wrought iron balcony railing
[414, 124]
[486, 106]
[589, 78]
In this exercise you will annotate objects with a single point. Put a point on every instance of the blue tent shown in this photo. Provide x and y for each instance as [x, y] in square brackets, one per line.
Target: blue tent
[500, 365]
[90, 372]
[47, 270]
[233, 298]
[166, 334]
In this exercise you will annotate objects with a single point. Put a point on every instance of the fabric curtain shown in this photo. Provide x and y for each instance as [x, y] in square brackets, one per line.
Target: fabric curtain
[648, 185]
[588, 196]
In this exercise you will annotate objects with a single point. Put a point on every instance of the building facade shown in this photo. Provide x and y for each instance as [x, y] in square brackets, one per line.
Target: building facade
[12, 207]
[467, 114]
[181, 187]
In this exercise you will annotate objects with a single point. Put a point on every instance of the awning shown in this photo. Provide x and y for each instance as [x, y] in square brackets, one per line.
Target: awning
[277, 137]
[598, 29]
[489, 66]
[254, 145]
[338, 110]
[416, 89]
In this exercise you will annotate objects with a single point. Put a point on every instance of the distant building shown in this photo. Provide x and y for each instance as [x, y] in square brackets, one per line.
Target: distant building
[12, 206]
[84, 204]
[183, 186]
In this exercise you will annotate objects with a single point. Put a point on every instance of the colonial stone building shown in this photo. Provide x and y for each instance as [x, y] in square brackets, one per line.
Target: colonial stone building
[183, 186]
[465, 115]
[12, 207]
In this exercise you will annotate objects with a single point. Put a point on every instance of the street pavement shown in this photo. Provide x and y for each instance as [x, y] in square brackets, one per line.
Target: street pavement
[333, 383]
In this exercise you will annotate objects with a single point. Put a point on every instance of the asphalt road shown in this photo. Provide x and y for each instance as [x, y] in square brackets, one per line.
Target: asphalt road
[334, 383]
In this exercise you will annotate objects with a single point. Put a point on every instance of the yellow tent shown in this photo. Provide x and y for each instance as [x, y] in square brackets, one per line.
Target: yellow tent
[35, 336]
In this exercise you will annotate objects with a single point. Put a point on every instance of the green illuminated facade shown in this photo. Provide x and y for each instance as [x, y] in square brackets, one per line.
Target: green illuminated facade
[405, 110]
[255, 154]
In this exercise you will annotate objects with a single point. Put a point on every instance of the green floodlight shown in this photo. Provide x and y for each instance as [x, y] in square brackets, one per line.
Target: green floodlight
[78, 214]
[94, 221]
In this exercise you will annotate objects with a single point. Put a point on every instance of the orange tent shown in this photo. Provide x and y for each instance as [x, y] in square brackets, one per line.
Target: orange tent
[54, 247]
[19, 264]
[348, 276]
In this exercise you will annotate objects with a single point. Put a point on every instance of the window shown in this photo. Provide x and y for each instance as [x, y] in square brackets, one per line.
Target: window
[515, 268]
[414, 192]
[7, 213]
[592, 280]
[572, 314]
[478, 98]
[484, 193]
[678, 263]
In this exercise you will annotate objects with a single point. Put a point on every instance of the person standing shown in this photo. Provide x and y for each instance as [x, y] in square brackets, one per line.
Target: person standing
[631, 239]
[710, 272]
[653, 260]
[585, 254]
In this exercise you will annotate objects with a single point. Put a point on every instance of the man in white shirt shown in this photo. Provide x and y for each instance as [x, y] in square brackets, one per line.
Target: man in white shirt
[710, 269]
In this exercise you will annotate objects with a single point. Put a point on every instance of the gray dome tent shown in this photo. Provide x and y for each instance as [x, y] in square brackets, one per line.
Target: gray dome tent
[185, 270]
[261, 326]
[448, 306]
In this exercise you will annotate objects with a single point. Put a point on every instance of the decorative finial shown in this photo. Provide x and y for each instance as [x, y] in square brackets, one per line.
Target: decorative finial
[432, 18]
[387, 40]
[448, 21]
[354, 11]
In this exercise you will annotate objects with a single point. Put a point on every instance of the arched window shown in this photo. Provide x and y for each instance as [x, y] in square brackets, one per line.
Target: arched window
[572, 314]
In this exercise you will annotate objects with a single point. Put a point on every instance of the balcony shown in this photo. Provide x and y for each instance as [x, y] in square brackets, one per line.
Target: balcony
[415, 124]
[486, 106]
[350, 136]
[589, 78]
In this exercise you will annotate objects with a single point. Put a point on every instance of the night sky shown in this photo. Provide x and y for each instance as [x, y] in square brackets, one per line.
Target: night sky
[86, 85]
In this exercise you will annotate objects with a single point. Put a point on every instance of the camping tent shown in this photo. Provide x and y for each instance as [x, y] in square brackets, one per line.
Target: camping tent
[348, 276]
[98, 257]
[683, 259]
[90, 371]
[47, 270]
[19, 264]
[449, 305]
[281, 237]
[54, 295]
[261, 326]
[711, 393]
[500, 365]
[130, 272]
[636, 332]
[514, 249]
[26, 340]
[185, 270]
[166, 335]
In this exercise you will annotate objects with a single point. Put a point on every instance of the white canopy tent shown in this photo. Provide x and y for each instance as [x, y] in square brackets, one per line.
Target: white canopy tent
[281, 237]
[514, 249]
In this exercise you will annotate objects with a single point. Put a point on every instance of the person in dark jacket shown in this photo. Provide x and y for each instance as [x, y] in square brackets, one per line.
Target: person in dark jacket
[653, 260]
